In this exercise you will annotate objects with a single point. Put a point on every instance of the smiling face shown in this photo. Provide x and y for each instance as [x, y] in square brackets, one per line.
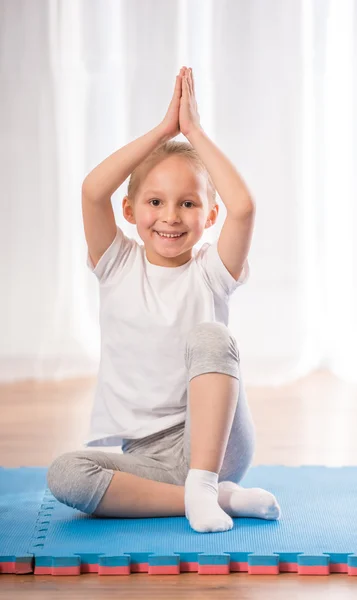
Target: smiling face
[172, 199]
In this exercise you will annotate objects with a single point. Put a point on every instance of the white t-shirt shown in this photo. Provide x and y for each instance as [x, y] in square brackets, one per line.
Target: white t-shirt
[146, 314]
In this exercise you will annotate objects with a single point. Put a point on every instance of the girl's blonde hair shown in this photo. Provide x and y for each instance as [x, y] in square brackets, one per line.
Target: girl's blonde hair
[163, 151]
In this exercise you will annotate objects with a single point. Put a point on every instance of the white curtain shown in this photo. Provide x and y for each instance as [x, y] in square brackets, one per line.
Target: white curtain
[276, 88]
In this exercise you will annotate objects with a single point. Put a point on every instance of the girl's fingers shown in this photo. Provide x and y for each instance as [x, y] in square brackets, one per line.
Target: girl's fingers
[192, 82]
[188, 83]
[187, 80]
[178, 86]
[184, 84]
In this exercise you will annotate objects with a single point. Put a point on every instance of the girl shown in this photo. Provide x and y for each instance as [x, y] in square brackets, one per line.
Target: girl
[169, 387]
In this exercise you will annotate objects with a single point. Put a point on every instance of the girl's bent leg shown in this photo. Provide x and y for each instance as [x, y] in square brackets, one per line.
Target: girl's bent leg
[213, 402]
[228, 439]
[212, 362]
[117, 485]
[132, 496]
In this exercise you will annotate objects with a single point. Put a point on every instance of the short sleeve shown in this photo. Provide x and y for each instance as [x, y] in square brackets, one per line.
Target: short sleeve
[113, 258]
[216, 273]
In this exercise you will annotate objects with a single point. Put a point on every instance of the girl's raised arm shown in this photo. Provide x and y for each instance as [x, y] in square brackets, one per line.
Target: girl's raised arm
[101, 183]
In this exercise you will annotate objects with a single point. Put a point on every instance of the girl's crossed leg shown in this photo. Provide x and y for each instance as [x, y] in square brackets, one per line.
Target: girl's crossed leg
[151, 477]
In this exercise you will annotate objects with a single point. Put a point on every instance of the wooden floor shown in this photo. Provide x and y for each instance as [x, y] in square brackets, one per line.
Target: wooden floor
[311, 422]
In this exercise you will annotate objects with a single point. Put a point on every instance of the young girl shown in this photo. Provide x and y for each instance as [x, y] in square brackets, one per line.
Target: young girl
[169, 387]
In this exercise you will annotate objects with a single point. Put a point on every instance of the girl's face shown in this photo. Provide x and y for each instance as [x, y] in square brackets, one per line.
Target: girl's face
[171, 199]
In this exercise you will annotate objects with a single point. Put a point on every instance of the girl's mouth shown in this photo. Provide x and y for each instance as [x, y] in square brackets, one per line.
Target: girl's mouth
[171, 239]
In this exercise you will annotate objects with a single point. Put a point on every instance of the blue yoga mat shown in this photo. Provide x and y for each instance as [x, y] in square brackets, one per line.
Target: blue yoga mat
[317, 532]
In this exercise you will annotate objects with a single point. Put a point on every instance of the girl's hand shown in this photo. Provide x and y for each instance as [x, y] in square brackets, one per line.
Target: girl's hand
[170, 124]
[189, 118]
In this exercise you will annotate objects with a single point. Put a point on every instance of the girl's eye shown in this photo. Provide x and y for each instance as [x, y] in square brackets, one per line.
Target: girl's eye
[156, 200]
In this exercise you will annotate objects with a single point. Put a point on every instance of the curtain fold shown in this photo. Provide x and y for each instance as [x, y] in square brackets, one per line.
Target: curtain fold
[276, 88]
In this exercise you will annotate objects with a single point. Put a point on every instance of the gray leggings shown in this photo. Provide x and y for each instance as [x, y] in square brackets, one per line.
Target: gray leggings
[80, 478]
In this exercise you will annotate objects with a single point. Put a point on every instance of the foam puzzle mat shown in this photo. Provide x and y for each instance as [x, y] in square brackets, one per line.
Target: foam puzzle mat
[316, 535]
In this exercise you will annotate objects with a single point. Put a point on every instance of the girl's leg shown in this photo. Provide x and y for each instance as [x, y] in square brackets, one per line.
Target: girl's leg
[150, 480]
[212, 361]
[237, 442]
[142, 482]
[219, 434]
[213, 403]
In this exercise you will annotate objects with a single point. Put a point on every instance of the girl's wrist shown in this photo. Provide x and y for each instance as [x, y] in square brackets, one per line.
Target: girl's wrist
[164, 136]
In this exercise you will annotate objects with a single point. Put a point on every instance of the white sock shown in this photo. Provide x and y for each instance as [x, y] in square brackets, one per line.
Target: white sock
[237, 501]
[201, 502]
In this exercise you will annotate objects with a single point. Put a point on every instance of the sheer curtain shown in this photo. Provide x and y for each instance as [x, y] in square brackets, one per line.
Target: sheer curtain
[276, 87]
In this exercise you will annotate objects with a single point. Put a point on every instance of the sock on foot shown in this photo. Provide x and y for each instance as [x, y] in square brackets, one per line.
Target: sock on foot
[237, 501]
[201, 502]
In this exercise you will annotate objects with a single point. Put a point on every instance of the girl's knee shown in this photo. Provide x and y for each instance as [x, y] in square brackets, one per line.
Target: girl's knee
[207, 331]
[66, 479]
[211, 347]
[59, 473]
[211, 337]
